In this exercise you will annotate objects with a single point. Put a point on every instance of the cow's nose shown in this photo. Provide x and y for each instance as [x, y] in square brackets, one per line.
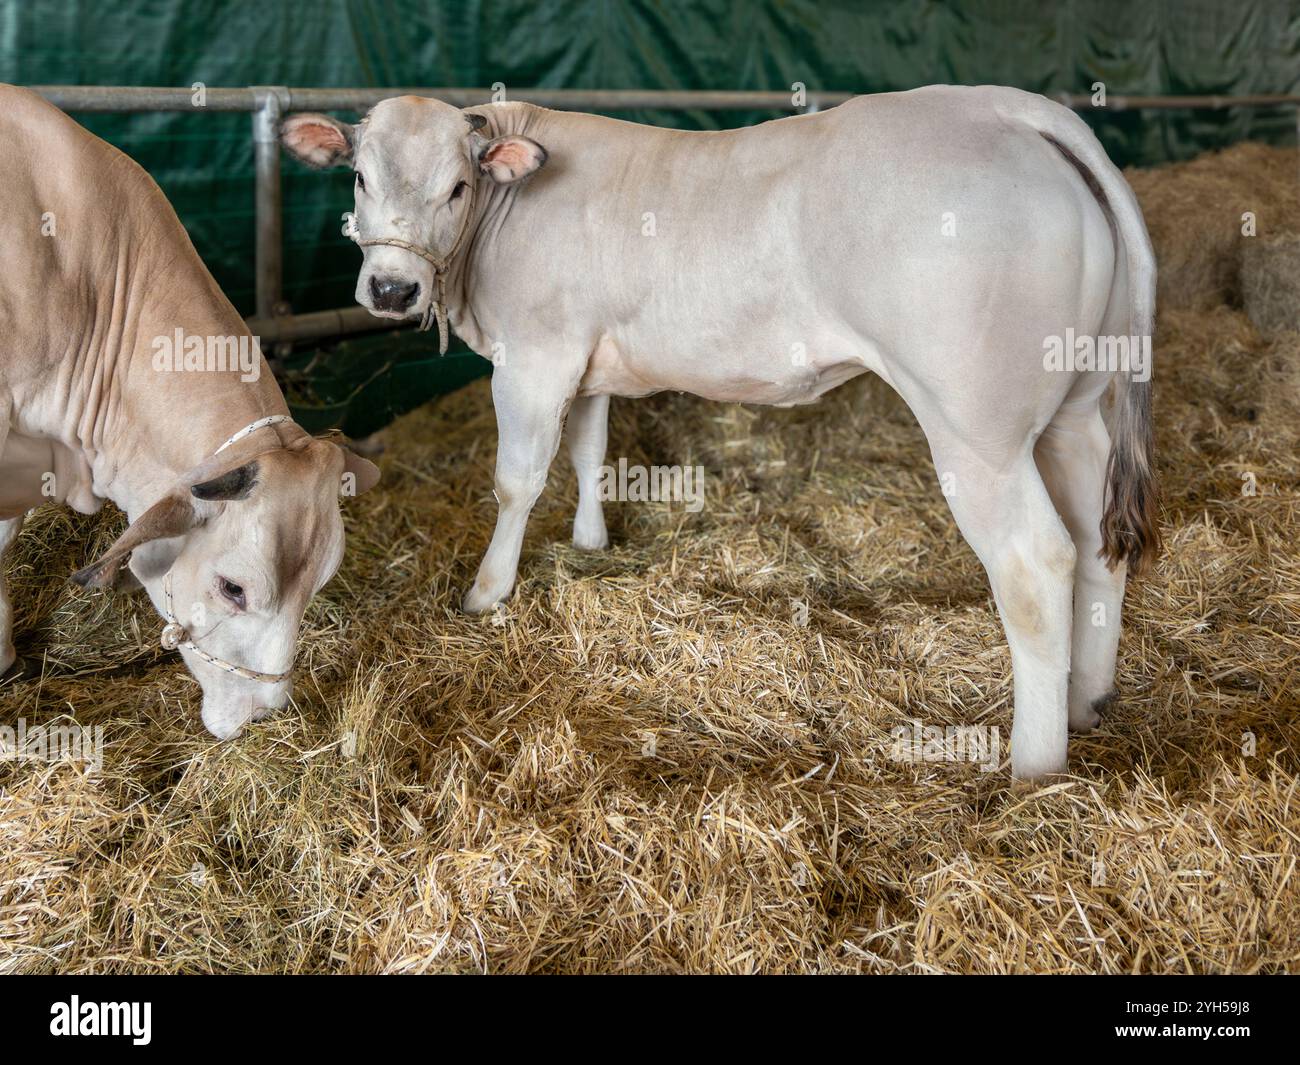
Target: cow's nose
[392, 293]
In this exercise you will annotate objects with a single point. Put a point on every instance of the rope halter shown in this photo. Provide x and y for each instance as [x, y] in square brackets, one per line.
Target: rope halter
[248, 430]
[174, 635]
[437, 308]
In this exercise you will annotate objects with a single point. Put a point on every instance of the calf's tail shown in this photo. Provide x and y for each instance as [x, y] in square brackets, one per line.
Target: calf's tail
[1130, 530]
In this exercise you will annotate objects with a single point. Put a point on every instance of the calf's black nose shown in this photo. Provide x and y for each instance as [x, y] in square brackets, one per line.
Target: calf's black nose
[392, 293]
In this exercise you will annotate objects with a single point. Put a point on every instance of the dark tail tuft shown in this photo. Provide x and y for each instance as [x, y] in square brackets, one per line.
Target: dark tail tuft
[1130, 530]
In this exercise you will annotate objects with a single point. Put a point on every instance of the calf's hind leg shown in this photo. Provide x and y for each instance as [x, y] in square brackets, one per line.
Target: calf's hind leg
[1072, 454]
[586, 429]
[1008, 518]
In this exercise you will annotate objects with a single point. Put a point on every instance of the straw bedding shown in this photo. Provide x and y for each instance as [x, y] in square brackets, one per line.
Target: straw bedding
[1270, 283]
[647, 763]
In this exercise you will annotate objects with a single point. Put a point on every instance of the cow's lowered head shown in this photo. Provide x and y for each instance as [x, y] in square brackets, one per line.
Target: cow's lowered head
[420, 167]
[242, 542]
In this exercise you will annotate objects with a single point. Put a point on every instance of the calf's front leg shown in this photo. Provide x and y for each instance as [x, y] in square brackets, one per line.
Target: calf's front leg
[530, 408]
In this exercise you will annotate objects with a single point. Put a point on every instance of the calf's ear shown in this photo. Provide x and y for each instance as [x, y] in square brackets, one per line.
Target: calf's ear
[318, 140]
[509, 159]
[359, 475]
[171, 516]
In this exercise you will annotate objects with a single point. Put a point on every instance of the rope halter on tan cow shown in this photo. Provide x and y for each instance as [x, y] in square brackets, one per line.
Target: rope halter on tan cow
[175, 636]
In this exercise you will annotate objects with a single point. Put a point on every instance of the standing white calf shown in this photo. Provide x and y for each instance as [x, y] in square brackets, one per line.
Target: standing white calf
[945, 239]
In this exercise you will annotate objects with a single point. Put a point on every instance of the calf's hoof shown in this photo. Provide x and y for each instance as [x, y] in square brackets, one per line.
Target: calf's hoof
[590, 540]
[1084, 719]
[1087, 717]
[126, 582]
[1036, 765]
[479, 601]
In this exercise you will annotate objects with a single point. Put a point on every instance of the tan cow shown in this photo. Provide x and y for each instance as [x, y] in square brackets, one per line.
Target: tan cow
[125, 374]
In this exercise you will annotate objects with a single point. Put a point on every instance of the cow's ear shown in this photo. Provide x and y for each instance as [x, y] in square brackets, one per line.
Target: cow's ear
[318, 140]
[510, 158]
[231, 485]
[359, 475]
[171, 516]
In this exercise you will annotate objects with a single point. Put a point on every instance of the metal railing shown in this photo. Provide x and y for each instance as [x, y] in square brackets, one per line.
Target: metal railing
[269, 103]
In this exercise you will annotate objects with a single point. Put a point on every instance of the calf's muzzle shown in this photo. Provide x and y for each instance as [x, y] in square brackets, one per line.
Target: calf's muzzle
[393, 293]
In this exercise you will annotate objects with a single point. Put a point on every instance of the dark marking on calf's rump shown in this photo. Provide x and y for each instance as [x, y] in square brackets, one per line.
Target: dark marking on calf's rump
[1089, 178]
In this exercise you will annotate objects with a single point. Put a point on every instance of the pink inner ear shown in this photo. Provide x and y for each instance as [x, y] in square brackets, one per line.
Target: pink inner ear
[318, 141]
[512, 155]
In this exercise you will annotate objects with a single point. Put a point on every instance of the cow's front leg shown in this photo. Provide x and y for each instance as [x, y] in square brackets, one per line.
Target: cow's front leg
[8, 656]
[587, 428]
[530, 409]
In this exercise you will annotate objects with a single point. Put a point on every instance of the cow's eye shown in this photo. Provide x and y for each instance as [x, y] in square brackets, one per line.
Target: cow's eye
[461, 186]
[232, 592]
[361, 181]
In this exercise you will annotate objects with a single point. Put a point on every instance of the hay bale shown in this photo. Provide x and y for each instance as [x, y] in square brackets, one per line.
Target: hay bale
[1194, 213]
[1270, 283]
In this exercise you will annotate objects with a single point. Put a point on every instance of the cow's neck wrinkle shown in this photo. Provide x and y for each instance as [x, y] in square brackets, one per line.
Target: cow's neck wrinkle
[139, 427]
[492, 213]
[493, 207]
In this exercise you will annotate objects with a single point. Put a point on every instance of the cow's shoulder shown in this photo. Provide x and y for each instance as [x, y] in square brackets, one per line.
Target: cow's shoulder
[23, 107]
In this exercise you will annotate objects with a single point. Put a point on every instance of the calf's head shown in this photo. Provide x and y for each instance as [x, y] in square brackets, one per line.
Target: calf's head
[234, 552]
[420, 165]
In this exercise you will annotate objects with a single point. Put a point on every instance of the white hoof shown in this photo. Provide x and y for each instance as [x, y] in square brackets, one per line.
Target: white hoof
[590, 541]
[479, 601]
[1084, 719]
[1033, 762]
[1087, 715]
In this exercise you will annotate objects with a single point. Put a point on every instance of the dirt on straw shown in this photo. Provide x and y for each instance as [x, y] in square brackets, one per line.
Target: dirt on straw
[647, 763]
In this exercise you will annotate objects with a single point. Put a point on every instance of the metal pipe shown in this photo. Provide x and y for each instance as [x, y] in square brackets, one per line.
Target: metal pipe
[136, 98]
[268, 260]
[132, 98]
[287, 328]
[1083, 102]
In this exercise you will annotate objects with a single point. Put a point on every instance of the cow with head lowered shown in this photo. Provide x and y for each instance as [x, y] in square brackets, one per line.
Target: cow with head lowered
[954, 241]
[126, 375]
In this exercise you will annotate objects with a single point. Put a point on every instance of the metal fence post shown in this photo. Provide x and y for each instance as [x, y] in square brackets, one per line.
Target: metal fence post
[272, 100]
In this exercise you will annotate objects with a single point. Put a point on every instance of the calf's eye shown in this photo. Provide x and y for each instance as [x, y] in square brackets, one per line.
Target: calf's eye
[361, 181]
[232, 592]
[460, 187]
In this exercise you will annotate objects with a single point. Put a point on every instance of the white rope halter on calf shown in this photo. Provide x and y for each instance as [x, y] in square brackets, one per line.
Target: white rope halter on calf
[437, 308]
